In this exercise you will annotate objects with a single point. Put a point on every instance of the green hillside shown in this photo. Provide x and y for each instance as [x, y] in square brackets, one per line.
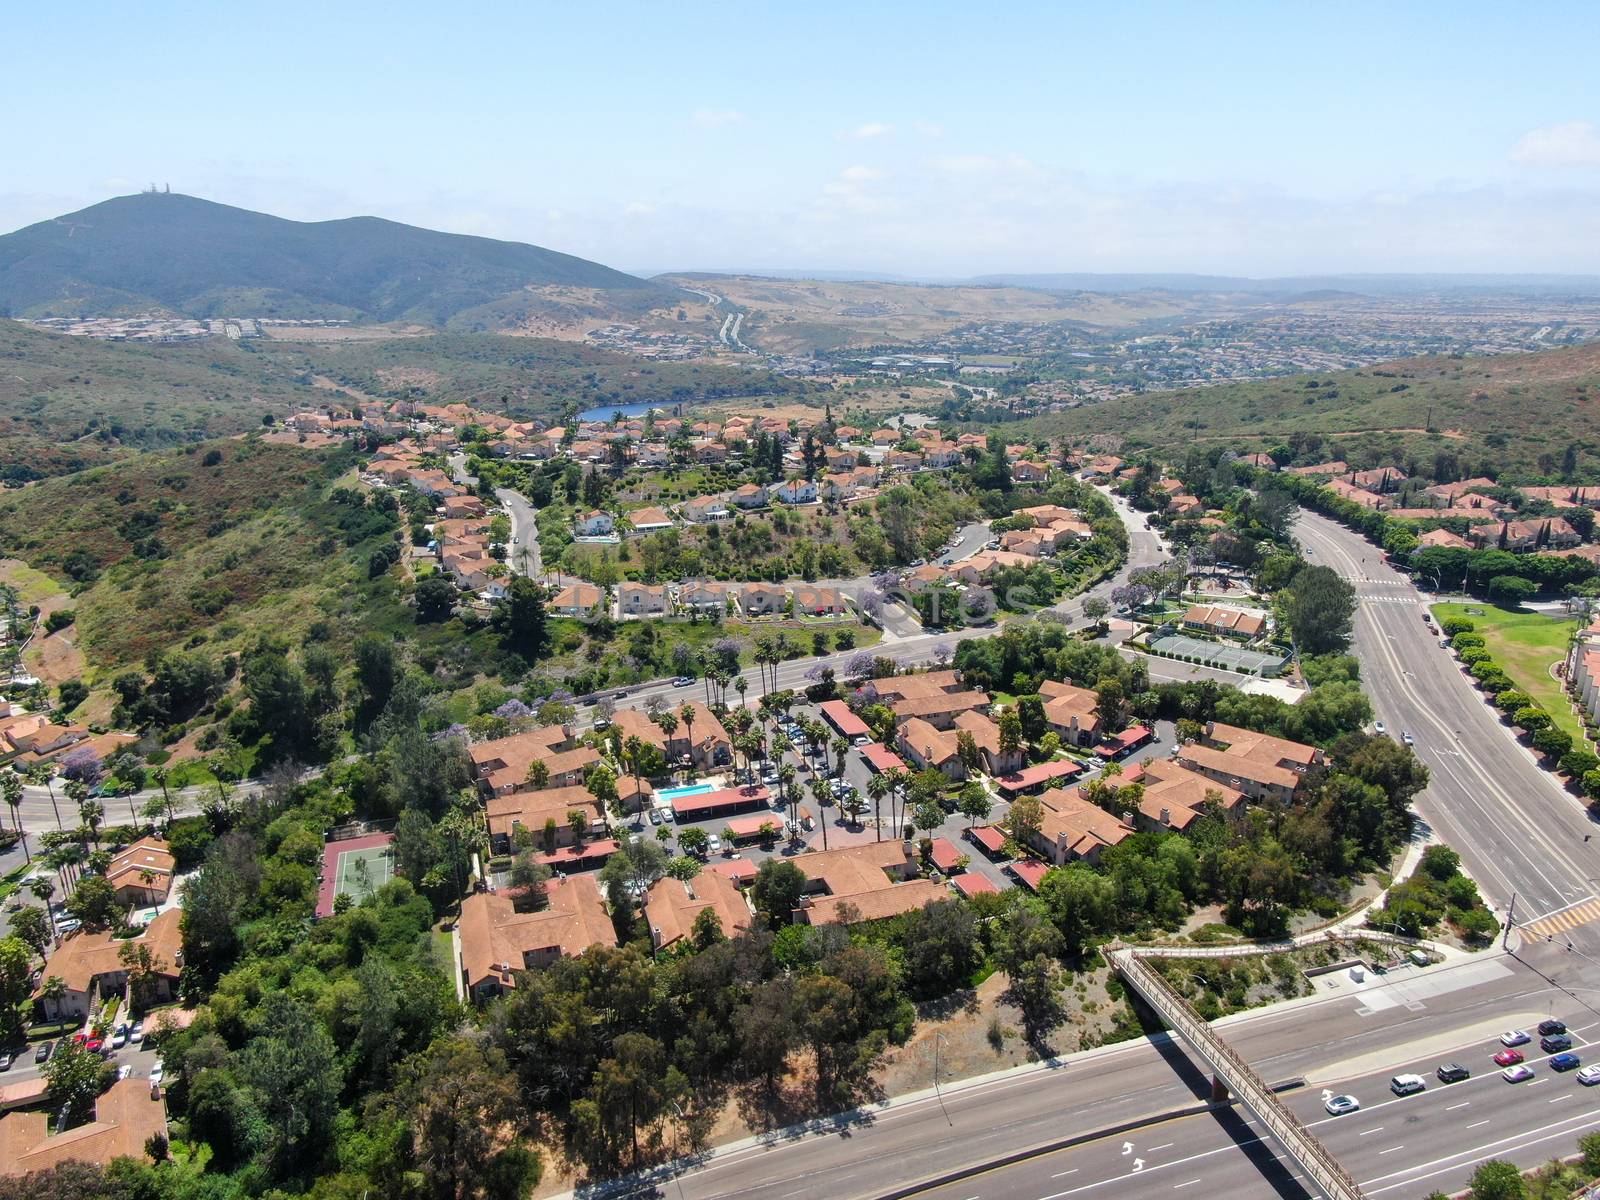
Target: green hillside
[196, 258]
[67, 403]
[1516, 412]
[71, 402]
[209, 543]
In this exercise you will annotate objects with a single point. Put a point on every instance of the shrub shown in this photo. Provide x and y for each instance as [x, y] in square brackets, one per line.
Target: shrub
[1454, 625]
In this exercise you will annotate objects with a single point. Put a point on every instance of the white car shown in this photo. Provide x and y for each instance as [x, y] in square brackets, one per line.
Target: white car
[1515, 1037]
[1408, 739]
[136, 1034]
[124, 1071]
[714, 844]
[1379, 728]
[158, 1071]
[1589, 1076]
[1338, 1106]
[1406, 1085]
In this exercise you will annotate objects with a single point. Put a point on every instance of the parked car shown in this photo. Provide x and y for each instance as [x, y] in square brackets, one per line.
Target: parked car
[714, 844]
[136, 1034]
[1546, 1028]
[1452, 1072]
[657, 817]
[43, 1053]
[1507, 1058]
[1338, 1106]
[1515, 1037]
[1408, 739]
[5, 1060]
[1406, 1085]
[1555, 1043]
[1517, 1073]
[1379, 728]
[157, 1071]
[1565, 1062]
[1589, 1076]
[124, 1071]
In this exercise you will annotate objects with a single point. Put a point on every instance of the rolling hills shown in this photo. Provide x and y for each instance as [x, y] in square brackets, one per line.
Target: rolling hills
[192, 257]
[1505, 413]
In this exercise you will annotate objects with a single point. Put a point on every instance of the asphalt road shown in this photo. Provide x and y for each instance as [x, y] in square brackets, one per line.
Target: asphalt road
[1414, 1020]
[1517, 830]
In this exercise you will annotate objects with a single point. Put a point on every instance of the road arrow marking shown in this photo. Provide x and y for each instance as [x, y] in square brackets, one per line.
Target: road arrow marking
[1138, 1165]
[1127, 1147]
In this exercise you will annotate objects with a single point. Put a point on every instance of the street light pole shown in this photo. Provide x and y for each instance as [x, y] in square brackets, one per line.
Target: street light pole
[1505, 943]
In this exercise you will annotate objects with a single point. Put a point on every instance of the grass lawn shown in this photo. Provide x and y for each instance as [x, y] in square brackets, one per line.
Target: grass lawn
[1526, 644]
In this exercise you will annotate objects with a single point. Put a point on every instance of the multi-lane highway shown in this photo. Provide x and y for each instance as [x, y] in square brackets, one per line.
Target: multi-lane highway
[1414, 1020]
[1517, 830]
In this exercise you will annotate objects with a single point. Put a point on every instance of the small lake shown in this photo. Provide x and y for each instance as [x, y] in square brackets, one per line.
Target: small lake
[604, 412]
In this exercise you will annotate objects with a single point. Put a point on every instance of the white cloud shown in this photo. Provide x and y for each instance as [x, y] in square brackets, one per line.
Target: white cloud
[872, 129]
[980, 164]
[1569, 144]
[928, 129]
[716, 118]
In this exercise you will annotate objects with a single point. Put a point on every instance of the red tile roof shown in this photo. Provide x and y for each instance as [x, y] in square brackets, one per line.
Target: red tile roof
[842, 719]
[990, 838]
[1029, 872]
[1061, 768]
[880, 758]
[970, 883]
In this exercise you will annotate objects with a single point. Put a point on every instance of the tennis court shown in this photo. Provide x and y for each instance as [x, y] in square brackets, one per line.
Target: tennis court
[1220, 654]
[357, 867]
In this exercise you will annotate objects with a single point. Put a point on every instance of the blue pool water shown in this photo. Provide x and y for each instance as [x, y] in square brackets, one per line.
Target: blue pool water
[693, 789]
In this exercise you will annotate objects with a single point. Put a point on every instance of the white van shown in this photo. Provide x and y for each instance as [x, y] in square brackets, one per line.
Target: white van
[1406, 1085]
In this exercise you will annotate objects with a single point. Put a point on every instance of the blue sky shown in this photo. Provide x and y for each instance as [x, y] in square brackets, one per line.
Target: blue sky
[918, 138]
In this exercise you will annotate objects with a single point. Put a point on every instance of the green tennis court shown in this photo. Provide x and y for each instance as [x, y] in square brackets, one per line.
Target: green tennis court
[362, 872]
[355, 866]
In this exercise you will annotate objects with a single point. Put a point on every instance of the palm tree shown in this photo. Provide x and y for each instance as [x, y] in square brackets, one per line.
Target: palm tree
[53, 991]
[822, 792]
[898, 807]
[11, 788]
[741, 685]
[160, 775]
[93, 813]
[841, 749]
[879, 786]
[686, 715]
[42, 889]
[42, 774]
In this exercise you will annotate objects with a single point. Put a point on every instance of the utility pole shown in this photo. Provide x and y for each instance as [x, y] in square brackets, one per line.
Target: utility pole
[937, 1038]
[1511, 909]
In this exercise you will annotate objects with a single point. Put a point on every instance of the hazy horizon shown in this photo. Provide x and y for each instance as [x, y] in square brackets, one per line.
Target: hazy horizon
[911, 141]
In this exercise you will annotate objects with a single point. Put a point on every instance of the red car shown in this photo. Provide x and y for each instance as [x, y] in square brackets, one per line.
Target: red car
[1508, 1058]
[94, 1045]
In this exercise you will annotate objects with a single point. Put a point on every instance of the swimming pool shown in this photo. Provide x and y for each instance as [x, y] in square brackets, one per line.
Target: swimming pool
[693, 789]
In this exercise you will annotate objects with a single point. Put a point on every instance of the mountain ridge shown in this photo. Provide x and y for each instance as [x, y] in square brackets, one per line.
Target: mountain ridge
[194, 257]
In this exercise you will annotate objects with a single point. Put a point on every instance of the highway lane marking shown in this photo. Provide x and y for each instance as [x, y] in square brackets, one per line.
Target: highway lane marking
[1476, 1124]
[1186, 1183]
[1463, 1104]
[1059, 1174]
[1230, 1148]
[1510, 810]
[1391, 1149]
[1561, 1129]
[1163, 1146]
[1374, 1129]
[1558, 1099]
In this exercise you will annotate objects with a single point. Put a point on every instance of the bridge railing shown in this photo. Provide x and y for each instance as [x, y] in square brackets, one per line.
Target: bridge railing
[1241, 1079]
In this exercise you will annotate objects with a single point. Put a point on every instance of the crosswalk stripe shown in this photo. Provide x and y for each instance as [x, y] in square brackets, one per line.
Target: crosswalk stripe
[1567, 918]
